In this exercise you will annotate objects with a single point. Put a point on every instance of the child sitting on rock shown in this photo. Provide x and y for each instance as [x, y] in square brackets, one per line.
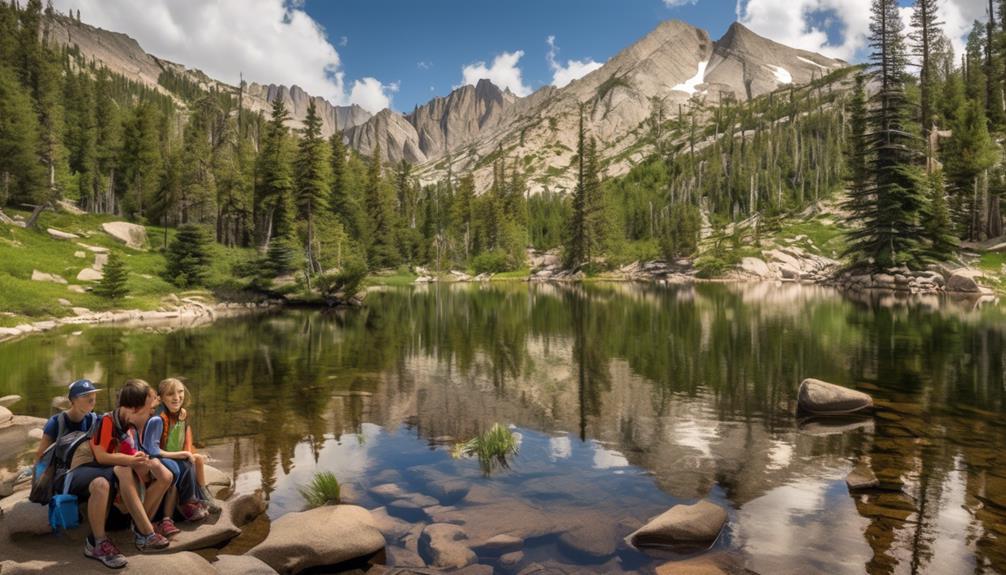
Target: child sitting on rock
[112, 455]
[169, 436]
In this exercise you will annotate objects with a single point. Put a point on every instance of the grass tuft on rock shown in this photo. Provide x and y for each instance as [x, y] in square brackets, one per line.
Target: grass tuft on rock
[323, 490]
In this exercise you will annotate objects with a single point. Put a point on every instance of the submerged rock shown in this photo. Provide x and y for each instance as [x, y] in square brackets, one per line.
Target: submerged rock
[821, 398]
[594, 541]
[445, 546]
[682, 526]
[500, 545]
[324, 536]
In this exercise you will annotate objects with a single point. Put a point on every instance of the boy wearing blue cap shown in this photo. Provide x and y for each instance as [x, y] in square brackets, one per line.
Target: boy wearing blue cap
[97, 483]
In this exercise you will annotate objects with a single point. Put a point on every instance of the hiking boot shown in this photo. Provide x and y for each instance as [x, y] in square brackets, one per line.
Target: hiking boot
[106, 552]
[166, 527]
[153, 542]
[192, 511]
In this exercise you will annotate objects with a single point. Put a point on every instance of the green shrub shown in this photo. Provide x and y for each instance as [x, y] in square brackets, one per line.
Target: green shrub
[491, 262]
[323, 490]
[113, 281]
[343, 284]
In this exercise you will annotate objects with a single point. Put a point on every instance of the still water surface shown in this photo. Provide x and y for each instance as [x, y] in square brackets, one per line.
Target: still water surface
[627, 399]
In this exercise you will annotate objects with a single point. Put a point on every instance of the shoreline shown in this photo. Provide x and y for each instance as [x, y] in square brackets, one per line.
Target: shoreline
[189, 312]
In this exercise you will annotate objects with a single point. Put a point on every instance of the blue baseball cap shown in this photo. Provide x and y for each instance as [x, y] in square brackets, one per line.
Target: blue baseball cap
[81, 387]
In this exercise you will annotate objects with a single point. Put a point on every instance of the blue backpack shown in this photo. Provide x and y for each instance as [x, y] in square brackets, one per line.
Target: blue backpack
[53, 466]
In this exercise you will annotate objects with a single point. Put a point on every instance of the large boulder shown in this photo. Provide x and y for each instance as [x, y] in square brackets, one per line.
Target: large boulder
[324, 536]
[9, 400]
[446, 546]
[821, 398]
[133, 235]
[963, 281]
[682, 526]
[18, 516]
[241, 565]
[756, 267]
[89, 275]
[6, 417]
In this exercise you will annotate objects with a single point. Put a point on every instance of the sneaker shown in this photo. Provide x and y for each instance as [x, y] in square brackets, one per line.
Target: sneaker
[166, 527]
[192, 511]
[106, 552]
[153, 542]
[211, 506]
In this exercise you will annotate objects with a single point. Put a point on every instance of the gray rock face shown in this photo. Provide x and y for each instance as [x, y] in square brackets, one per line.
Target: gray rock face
[684, 526]
[38, 276]
[756, 267]
[297, 101]
[963, 281]
[394, 134]
[821, 398]
[445, 546]
[324, 536]
[241, 565]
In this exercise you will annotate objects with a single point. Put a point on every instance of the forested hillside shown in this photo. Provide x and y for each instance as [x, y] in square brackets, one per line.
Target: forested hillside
[72, 131]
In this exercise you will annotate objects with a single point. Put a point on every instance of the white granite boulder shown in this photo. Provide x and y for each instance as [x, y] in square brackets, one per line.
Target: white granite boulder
[682, 526]
[821, 398]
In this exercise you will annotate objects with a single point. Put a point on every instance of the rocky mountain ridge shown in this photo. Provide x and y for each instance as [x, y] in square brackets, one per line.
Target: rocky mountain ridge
[673, 68]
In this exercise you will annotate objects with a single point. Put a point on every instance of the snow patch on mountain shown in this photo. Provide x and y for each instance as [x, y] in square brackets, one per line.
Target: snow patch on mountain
[690, 85]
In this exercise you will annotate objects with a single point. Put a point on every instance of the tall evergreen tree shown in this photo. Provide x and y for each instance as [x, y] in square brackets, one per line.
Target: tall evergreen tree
[313, 181]
[889, 230]
[925, 39]
[22, 176]
[274, 184]
[937, 225]
[113, 279]
[381, 252]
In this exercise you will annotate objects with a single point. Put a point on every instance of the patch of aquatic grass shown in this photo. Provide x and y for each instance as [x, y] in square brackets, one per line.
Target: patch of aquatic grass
[323, 490]
[492, 448]
[395, 278]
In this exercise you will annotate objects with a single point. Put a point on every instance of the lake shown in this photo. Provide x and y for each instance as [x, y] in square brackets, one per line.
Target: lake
[626, 399]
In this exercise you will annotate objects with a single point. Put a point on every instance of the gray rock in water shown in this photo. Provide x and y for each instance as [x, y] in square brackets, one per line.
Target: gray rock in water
[407, 510]
[963, 281]
[386, 492]
[596, 541]
[402, 557]
[445, 546]
[500, 545]
[510, 560]
[862, 477]
[323, 536]
[682, 526]
[821, 398]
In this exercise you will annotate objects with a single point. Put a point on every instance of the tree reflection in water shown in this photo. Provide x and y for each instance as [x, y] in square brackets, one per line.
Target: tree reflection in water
[693, 383]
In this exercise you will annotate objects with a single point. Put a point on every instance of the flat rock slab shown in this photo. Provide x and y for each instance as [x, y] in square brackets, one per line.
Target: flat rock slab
[862, 477]
[685, 526]
[37, 276]
[593, 541]
[821, 398]
[61, 235]
[9, 400]
[89, 275]
[241, 565]
[446, 546]
[6, 417]
[133, 235]
[386, 492]
[500, 545]
[323, 536]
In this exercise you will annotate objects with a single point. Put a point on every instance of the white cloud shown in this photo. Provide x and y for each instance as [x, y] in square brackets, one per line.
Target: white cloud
[676, 3]
[344, 40]
[573, 70]
[805, 23]
[270, 41]
[504, 72]
[372, 95]
[424, 65]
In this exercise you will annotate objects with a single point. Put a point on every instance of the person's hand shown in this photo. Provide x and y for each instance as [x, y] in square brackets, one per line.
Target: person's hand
[139, 458]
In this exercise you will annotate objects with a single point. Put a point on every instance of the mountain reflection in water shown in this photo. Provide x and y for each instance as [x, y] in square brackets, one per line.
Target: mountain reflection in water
[627, 399]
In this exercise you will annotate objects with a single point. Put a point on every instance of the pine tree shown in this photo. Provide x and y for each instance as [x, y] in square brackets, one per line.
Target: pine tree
[341, 201]
[577, 245]
[938, 227]
[925, 38]
[188, 257]
[889, 229]
[966, 156]
[113, 280]
[22, 176]
[273, 187]
[313, 181]
[382, 252]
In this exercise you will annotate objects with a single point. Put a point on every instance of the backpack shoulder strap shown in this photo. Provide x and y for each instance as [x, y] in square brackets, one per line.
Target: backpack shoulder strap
[61, 421]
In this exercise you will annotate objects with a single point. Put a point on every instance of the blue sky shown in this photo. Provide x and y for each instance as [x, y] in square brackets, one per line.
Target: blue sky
[399, 53]
[423, 45]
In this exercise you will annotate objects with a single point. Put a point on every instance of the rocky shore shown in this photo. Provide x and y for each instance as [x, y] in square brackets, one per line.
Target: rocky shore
[174, 313]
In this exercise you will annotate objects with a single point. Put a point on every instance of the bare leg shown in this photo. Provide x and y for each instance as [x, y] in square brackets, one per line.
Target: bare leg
[200, 466]
[170, 501]
[97, 507]
[130, 495]
[157, 489]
